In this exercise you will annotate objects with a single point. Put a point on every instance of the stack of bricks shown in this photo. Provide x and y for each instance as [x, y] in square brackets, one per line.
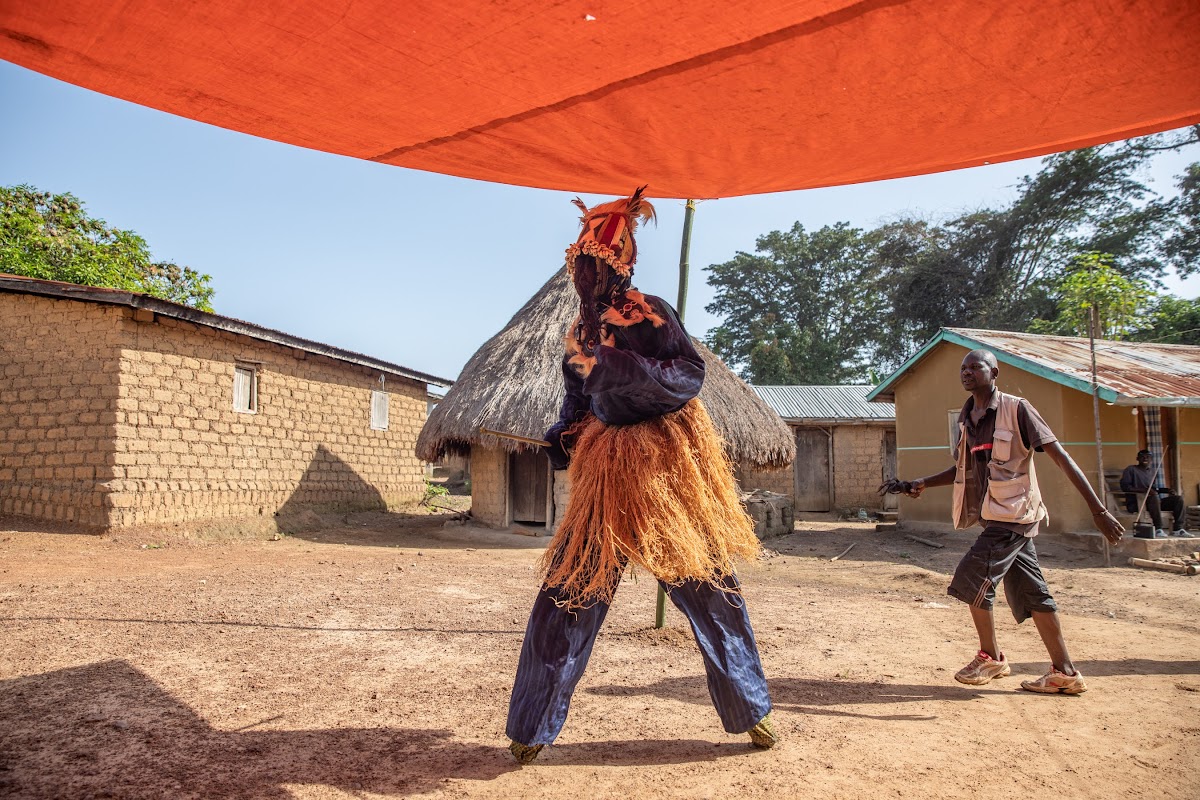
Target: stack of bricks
[113, 417]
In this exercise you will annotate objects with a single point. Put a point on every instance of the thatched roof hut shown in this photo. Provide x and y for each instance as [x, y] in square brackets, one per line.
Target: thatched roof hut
[513, 383]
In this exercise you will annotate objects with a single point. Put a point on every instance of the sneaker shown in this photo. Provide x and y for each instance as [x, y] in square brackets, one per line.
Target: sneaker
[1055, 682]
[1159, 533]
[982, 669]
[763, 734]
[1181, 533]
[524, 753]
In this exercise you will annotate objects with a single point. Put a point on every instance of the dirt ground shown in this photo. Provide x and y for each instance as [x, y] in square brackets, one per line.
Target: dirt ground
[374, 658]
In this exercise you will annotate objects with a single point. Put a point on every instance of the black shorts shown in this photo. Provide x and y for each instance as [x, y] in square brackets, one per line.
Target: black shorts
[999, 554]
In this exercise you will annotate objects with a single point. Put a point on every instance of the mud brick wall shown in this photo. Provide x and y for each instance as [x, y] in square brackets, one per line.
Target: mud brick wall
[59, 378]
[562, 493]
[489, 485]
[183, 453]
[779, 481]
[858, 456]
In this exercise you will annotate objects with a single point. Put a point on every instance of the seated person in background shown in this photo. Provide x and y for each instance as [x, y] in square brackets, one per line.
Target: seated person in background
[1136, 481]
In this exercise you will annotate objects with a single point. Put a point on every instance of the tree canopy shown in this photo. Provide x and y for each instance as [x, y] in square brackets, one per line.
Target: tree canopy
[842, 304]
[52, 237]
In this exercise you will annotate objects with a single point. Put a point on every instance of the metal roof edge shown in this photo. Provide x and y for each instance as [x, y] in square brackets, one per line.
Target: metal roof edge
[68, 291]
[1165, 402]
[881, 392]
[1041, 370]
[877, 395]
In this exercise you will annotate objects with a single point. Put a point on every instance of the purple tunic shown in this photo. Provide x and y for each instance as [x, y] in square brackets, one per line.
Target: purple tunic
[648, 373]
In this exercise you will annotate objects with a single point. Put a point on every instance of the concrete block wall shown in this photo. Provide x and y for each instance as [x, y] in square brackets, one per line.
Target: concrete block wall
[59, 380]
[489, 485]
[181, 452]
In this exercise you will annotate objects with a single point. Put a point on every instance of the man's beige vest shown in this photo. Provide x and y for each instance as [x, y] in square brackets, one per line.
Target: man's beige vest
[1013, 494]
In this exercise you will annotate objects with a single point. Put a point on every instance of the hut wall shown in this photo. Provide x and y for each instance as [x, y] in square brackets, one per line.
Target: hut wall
[119, 418]
[561, 493]
[780, 481]
[1189, 454]
[489, 485]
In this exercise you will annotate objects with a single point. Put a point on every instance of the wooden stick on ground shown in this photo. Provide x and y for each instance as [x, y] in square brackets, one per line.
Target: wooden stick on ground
[1165, 566]
[847, 550]
[938, 545]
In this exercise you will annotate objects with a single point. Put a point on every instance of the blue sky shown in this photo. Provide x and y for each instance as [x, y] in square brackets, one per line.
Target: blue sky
[412, 267]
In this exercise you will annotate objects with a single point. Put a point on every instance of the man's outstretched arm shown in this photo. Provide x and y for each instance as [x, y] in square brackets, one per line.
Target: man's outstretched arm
[915, 487]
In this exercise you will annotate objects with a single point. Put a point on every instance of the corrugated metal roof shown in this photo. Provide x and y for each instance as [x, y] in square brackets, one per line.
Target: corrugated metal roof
[1127, 373]
[849, 403]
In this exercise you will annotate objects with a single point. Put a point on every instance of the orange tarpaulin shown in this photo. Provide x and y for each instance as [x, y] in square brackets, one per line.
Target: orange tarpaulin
[703, 98]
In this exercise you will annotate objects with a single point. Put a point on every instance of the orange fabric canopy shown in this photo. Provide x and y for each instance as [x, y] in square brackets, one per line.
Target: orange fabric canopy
[704, 98]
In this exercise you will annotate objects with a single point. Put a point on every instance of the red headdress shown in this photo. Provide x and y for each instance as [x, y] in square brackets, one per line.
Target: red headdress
[608, 230]
[601, 266]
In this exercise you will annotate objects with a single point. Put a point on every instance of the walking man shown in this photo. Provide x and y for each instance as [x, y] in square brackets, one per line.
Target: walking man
[995, 485]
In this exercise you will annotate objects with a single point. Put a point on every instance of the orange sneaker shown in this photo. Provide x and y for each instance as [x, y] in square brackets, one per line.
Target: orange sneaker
[982, 669]
[1055, 682]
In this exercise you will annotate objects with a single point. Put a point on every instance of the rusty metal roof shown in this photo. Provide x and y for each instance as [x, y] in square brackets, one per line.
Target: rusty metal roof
[825, 404]
[1127, 373]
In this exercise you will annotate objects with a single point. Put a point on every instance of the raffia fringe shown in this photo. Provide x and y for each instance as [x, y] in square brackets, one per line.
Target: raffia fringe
[659, 494]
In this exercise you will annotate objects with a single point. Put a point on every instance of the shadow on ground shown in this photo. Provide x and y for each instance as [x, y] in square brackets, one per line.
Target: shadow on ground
[813, 696]
[107, 730]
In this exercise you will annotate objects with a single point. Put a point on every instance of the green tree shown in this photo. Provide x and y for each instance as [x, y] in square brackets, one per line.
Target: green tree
[51, 236]
[801, 309]
[1005, 264]
[1093, 282]
[1183, 244]
[1170, 320]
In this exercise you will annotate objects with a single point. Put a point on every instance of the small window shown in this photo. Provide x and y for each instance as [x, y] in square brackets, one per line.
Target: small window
[379, 410]
[245, 389]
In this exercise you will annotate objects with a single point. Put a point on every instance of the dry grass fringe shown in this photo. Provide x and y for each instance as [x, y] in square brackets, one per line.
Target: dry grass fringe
[659, 494]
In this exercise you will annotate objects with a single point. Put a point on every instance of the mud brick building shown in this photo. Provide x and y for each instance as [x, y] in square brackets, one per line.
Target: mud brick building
[120, 409]
[845, 447]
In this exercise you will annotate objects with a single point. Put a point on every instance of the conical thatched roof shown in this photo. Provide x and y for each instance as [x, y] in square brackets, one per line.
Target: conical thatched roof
[513, 383]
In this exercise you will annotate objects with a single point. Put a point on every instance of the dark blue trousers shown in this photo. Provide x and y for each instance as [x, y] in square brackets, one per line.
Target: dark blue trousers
[558, 644]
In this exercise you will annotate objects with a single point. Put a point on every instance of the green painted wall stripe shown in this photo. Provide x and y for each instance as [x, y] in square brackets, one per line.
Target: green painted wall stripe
[1093, 444]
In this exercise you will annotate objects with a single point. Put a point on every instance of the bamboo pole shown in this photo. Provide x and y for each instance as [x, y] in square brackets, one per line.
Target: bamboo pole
[1093, 323]
[685, 246]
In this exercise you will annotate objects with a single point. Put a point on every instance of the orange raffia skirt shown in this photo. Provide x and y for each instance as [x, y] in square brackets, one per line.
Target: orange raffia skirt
[659, 494]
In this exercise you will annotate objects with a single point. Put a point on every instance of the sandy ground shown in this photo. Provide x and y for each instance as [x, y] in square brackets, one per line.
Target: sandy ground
[374, 659]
